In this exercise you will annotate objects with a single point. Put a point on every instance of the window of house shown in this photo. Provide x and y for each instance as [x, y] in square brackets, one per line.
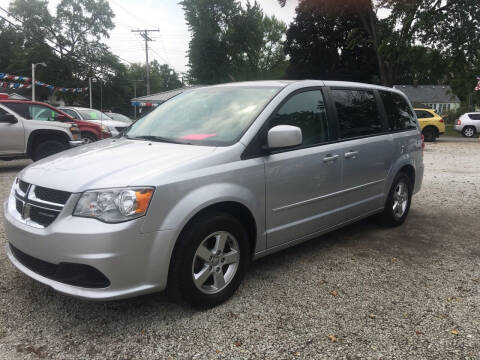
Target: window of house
[357, 113]
[305, 110]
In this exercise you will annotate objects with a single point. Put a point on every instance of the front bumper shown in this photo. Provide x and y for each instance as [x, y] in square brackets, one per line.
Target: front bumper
[133, 262]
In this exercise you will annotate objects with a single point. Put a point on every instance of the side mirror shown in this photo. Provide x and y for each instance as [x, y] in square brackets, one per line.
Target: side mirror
[8, 119]
[282, 136]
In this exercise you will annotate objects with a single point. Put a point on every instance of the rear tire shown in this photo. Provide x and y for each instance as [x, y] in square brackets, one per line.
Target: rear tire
[398, 202]
[47, 148]
[468, 131]
[202, 273]
[430, 134]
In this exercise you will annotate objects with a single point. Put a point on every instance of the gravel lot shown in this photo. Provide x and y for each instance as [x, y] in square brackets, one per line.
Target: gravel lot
[407, 293]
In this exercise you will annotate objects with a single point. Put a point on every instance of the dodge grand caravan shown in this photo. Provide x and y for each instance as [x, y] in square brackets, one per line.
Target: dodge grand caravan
[212, 179]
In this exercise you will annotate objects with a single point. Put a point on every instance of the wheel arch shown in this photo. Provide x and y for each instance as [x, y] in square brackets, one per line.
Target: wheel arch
[44, 134]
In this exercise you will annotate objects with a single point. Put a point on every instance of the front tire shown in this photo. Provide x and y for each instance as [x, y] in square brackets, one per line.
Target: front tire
[47, 148]
[89, 138]
[210, 260]
[398, 201]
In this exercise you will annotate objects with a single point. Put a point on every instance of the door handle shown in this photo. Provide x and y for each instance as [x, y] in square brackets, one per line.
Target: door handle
[329, 158]
[351, 154]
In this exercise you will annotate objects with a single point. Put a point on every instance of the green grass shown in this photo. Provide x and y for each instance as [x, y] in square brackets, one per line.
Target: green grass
[450, 131]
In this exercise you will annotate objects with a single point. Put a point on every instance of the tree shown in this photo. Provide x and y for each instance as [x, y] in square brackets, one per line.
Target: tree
[232, 43]
[326, 41]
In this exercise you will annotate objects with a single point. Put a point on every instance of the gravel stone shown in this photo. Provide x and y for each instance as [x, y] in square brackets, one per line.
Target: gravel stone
[411, 292]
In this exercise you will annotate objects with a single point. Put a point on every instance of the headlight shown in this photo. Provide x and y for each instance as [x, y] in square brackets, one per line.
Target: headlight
[105, 129]
[113, 130]
[114, 205]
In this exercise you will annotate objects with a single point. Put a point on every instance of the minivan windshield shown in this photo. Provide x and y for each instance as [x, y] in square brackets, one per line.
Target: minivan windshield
[212, 116]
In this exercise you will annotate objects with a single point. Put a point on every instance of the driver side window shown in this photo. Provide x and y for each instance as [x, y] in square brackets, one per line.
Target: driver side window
[305, 110]
[42, 113]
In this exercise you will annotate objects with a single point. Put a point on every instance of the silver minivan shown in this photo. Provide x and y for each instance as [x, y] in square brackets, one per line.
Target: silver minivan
[212, 179]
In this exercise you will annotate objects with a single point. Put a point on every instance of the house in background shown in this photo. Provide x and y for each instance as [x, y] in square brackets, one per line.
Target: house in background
[437, 97]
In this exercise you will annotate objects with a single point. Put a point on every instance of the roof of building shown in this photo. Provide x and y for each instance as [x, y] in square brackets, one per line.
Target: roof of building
[428, 93]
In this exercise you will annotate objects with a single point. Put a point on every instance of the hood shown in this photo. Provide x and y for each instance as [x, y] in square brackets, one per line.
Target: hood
[111, 163]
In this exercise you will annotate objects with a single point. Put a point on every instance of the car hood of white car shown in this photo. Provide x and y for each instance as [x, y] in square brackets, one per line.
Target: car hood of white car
[112, 163]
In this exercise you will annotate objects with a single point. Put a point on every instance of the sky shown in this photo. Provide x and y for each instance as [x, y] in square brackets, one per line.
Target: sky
[170, 44]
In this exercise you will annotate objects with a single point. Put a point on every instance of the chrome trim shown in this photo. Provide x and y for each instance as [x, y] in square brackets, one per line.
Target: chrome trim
[323, 197]
[75, 143]
[33, 196]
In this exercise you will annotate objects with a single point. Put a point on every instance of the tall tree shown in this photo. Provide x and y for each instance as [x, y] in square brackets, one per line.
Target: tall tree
[231, 43]
[326, 41]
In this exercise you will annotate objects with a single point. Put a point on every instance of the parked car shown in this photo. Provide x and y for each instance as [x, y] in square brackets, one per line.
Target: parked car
[431, 123]
[97, 117]
[35, 130]
[468, 124]
[210, 180]
[120, 117]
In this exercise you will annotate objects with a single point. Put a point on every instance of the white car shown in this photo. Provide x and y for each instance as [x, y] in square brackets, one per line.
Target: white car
[96, 116]
[468, 124]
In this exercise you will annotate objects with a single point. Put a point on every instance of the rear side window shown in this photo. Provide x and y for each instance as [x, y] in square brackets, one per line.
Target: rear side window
[474, 116]
[357, 113]
[305, 110]
[19, 108]
[422, 114]
[399, 114]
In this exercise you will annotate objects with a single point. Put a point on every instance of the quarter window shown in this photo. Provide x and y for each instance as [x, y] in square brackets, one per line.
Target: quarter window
[357, 113]
[399, 113]
[474, 116]
[305, 110]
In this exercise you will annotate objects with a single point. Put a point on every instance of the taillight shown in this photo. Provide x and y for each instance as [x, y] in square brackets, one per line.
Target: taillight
[441, 120]
[459, 122]
[423, 142]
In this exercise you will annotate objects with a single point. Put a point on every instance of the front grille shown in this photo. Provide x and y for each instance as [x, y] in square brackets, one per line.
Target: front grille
[51, 195]
[43, 217]
[39, 206]
[67, 273]
[23, 186]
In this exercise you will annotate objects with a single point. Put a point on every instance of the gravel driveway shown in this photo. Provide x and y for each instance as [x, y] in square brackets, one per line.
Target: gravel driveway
[361, 292]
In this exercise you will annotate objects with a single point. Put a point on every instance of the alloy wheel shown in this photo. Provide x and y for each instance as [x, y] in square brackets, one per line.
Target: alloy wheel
[215, 262]
[400, 199]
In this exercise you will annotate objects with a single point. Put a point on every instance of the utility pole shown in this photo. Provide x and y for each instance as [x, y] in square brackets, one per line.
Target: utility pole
[90, 88]
[135, 96]
[33, 77]
[144, 34]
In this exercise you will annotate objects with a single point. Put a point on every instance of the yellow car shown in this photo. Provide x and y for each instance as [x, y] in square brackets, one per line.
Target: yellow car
[431, 123]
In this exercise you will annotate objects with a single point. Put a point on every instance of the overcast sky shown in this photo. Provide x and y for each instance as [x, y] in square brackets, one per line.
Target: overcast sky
[171, 42]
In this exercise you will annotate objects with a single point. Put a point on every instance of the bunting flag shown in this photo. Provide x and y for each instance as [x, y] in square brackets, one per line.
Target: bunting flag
[15, 78]
[143, 104]
[477, 88]
[27, 84]
[6, 85]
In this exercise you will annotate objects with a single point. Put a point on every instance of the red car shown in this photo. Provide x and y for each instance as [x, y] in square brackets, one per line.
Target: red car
[90, 132]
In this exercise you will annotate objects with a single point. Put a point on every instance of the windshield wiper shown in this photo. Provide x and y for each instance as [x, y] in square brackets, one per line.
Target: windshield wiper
[156, 138]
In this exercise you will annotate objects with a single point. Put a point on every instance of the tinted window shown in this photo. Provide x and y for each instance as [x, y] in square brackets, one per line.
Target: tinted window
[3, 112]
[474, 116]
[19, 108]
[357, 113]
[399, 114]
[305, 110]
